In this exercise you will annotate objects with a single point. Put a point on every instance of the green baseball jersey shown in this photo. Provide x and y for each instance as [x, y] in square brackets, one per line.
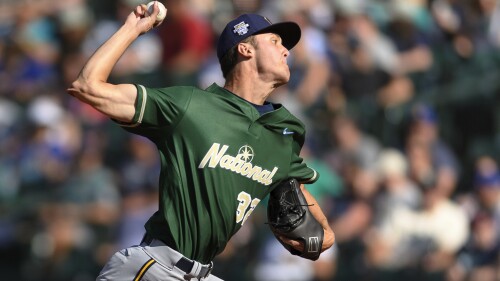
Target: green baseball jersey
[219, 159]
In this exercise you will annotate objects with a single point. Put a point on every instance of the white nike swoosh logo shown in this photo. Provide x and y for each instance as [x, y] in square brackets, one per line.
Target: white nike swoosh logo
[286, 132]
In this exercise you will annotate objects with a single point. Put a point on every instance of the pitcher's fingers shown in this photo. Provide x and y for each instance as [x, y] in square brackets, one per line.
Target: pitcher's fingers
[140, 10]
[294, 243]
[156, 10]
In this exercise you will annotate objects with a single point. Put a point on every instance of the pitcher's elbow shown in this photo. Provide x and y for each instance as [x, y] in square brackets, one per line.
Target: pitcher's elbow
[80, 85]
[82, 89]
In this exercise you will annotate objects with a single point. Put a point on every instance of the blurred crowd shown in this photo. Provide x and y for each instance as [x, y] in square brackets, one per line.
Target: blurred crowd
[401, 99]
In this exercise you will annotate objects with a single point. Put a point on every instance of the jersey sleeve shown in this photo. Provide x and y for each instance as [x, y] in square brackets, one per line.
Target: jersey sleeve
[299, 169]
[158, 108]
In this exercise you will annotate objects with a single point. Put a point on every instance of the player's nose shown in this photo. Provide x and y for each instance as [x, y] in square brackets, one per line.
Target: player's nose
[286, 52]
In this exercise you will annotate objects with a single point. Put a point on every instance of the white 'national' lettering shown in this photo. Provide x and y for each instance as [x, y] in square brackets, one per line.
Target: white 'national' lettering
[216, 156]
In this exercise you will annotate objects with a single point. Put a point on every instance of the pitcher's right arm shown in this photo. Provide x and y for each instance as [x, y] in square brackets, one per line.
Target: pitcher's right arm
[91, 86]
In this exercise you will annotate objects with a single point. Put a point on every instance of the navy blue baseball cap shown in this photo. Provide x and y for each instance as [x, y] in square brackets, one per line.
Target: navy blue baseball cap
[247, 25]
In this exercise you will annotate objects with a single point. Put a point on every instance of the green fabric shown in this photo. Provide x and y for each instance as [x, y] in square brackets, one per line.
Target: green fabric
[219, 158]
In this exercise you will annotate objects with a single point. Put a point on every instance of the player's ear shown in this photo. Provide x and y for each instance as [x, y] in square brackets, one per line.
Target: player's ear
[245, 49]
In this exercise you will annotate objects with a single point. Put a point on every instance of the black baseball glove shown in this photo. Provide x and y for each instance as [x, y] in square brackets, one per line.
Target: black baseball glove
[288, 215]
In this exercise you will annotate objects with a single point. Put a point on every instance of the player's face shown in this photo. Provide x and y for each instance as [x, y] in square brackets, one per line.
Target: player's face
[271, 58]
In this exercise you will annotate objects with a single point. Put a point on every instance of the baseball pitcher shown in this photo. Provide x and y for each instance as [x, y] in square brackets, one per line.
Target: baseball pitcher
[222, 150]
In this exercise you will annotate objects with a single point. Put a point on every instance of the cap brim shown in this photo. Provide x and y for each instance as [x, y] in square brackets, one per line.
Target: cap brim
[288, 31]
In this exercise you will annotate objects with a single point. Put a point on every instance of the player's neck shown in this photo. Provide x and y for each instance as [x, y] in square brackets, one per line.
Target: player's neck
[250, 88]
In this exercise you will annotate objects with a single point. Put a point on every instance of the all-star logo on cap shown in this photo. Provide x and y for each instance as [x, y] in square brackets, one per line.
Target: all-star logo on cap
[241, 28]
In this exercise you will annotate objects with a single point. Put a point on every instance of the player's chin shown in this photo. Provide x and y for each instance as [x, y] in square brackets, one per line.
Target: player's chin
[280, 82]
[283, 79]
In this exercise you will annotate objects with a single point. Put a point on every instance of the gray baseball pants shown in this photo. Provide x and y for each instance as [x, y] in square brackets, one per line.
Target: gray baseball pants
[154, 261]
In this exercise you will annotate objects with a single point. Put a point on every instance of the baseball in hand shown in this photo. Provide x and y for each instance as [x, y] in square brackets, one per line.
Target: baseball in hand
[163, 11]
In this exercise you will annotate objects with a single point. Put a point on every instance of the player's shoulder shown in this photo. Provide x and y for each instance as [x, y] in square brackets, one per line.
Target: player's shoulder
[283, 121]
[289, 118]
[289, 115]
[193, 90]
[178, 92]
[179, 89]
[165, 90]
